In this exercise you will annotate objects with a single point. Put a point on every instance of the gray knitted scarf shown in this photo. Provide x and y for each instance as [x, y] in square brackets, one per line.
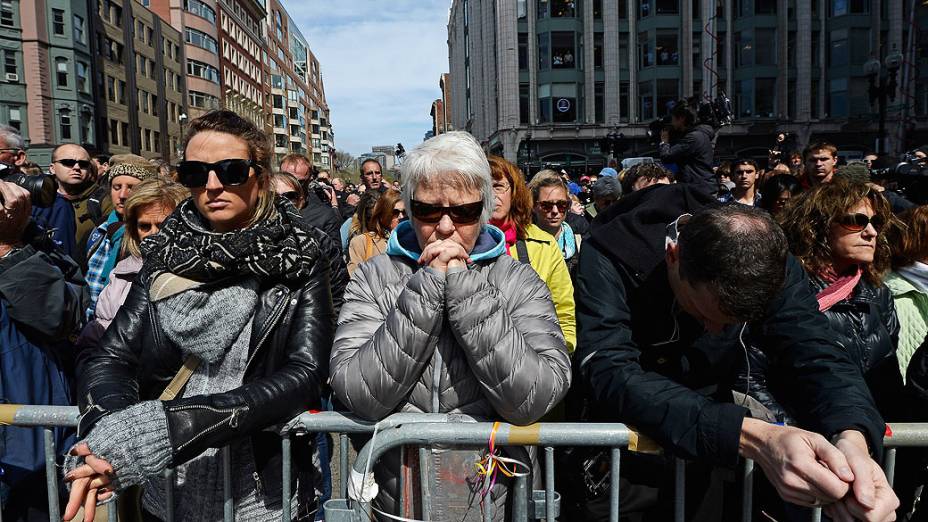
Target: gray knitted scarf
[205, 321]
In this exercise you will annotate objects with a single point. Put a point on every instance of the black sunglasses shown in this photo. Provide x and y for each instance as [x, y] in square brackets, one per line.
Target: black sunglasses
[231, 172]
[397, 212]
[858, 222]
[69, 163]
[460, 214]
[292, 195]
[548, 206]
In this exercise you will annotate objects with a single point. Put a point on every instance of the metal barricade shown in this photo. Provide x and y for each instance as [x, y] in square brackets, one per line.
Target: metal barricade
[400, 430]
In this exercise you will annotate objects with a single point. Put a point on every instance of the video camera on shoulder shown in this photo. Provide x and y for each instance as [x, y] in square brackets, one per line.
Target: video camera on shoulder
[42, 188]
[910, 174]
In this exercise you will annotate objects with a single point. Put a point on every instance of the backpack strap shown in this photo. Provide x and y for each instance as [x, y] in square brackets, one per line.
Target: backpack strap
[522, 252]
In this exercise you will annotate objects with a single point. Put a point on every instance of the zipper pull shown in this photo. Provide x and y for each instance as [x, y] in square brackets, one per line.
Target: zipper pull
[258, 487]
[233, 422]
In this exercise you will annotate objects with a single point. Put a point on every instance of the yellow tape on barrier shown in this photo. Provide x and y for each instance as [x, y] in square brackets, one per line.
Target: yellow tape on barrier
[640, 443]
[8, 413]
[524, 435]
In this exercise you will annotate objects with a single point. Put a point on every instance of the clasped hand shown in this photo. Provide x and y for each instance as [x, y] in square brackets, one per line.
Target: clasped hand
[443, 254]
[90, 483]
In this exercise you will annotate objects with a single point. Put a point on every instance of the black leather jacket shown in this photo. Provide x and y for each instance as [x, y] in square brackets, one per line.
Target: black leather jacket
[865, 325]
[292, 334]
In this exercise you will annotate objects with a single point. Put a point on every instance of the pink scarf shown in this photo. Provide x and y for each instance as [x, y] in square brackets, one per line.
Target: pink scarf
[509, 229]
[839, 289]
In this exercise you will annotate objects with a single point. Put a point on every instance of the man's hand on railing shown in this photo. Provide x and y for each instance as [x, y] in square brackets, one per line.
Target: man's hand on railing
[803, 466]
[871, 498]
[90, 483]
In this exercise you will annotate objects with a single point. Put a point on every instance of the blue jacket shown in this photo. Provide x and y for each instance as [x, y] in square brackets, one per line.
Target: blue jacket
[59, 218]
[41, 302]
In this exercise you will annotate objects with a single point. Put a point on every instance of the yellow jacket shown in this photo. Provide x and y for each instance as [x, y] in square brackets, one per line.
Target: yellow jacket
[547, 260]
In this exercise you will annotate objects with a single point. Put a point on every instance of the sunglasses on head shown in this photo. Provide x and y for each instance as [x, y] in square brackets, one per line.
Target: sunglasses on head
[858, 222]
[231, 172]
[69, 163]
[460, 214]
[548, 206]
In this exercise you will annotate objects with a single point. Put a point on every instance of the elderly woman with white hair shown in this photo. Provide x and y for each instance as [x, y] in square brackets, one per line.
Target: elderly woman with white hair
[446, 322]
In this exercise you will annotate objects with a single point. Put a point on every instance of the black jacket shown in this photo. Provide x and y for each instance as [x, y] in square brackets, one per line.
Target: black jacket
[650, 365]
[294, 327]
[322, 216]
[865, 325]
[693, 154]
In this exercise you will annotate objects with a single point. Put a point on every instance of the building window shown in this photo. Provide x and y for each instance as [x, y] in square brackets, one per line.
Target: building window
[523, 51]
[564, 8]
[64, 121]
[843, 7]
[542, 9]
[837, 98]
[646, 100]
[154, 105]
[623, 100]
[744, 98]
[666, 50]
[122, 93]
[524, 101]
[599, 99]
[644, 8]
[597, 9]
[667, 7]
[645, 54]
[84, 126]
[563, 54]
[598, 50]
[521, 9]
[766, 47]
[203, 100]
[124, 136]
[58, 22]
[79, 29]
[543, 59]
[9, 62]
[668, 92]
[114, 132]
[202, 70]
[839, 48]
[6, 13]
[765, 94]
[81, 72]
[200, 9]
[201, 40]
[744, 48]
[623, 9]
[61, 71]
[765, 7]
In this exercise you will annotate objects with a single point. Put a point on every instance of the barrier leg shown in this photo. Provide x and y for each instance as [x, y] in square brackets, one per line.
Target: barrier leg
[679, 491]
[889, 465]
[817, 515]
[112, 513]
[343, 464]
[228, 514]
[51, 475]
[549, 484]
[520, 501]
[614, 485]
[169, 494]
[424, 483]
[285, 481]
[747, 491]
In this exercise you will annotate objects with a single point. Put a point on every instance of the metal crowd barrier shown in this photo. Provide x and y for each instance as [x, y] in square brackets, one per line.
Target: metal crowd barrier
[402, 429]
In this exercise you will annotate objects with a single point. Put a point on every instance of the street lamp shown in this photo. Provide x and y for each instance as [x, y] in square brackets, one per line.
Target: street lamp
[882, 78]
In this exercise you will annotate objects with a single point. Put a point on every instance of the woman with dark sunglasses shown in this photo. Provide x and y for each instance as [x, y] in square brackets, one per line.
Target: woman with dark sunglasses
[288, 187]
[446, 322]
[551, 211]
[838, 232]
[233, 315]
[386, 215]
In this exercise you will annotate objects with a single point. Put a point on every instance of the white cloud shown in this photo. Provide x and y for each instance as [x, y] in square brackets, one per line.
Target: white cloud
[381, 62]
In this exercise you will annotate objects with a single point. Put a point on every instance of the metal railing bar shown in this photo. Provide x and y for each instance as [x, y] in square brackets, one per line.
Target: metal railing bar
[747, 490]
[228, 508]
[285, 495]
[112, 513]
[424, 481]
[51, 475]
[169, 494]
[520, 498]
[816, 515]
[906, 434]
[614, 478]
[549, 484]
[343, 464]
[889, 465]
[679, 489]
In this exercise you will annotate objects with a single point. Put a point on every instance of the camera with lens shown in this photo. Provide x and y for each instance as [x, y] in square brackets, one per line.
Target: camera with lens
[910, 175]
[321, 189]
[41, 188]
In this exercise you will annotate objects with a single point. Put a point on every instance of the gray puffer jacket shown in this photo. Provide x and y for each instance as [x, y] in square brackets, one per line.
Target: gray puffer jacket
[484, 341]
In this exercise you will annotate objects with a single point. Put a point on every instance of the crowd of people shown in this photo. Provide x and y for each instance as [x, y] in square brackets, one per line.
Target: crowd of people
[776, 312]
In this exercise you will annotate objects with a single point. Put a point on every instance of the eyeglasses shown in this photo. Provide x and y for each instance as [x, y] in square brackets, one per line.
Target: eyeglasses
[69, 163]
[460, 214]
[858, 222]
[548, 206]
[292, 195]
[231, 172]
[399, 212]
[501, 188]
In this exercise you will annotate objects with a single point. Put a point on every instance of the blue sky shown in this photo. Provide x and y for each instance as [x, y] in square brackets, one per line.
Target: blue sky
[381, 61]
